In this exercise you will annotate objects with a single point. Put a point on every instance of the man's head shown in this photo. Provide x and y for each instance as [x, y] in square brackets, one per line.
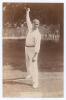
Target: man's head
[36, 23]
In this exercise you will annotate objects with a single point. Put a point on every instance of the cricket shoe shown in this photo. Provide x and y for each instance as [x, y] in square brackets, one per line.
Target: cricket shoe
[28, 77]
[35, 85]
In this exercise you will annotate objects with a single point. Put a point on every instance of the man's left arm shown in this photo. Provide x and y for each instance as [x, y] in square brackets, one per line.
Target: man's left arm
[37, 45]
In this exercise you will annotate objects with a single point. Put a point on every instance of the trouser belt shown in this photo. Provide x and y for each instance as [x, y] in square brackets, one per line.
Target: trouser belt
[30, 46]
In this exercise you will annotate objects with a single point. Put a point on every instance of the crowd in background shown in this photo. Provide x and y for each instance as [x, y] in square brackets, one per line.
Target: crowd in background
[48, 32]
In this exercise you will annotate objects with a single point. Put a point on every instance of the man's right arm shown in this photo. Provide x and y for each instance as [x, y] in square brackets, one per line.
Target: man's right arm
[29, 24]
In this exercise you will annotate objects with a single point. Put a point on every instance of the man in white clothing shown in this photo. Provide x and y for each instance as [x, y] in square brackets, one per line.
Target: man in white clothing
[32, 47]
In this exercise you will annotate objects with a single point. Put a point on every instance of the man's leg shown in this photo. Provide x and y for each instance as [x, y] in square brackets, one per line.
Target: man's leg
[35, 74]
[27, 63]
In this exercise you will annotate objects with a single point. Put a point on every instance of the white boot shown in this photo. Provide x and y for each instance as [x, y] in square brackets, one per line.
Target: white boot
[35, 85]
[28, 77]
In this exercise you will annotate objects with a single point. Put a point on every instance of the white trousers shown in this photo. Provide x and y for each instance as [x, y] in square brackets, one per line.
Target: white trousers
[32, 67]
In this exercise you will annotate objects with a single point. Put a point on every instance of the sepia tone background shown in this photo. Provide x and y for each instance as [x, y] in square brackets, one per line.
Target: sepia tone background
[50, 60]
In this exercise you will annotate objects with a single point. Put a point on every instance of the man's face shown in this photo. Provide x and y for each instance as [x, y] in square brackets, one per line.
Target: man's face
[35, 24]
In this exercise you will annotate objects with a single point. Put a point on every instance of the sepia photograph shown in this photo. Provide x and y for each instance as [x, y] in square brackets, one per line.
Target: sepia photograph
[33, 50]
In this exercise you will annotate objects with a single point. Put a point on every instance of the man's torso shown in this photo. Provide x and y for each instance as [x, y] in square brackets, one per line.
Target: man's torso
[31, 36]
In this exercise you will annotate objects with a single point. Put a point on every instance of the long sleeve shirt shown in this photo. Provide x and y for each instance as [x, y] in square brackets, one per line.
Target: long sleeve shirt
[33, 37]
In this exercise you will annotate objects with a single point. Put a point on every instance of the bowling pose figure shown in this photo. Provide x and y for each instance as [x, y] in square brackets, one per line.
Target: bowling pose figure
[32, 48]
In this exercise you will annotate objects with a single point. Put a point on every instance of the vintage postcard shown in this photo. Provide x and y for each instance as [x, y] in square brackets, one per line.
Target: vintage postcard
[33, 45]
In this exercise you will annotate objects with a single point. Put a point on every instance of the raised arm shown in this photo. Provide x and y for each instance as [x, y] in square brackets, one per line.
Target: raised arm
[29, 24]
